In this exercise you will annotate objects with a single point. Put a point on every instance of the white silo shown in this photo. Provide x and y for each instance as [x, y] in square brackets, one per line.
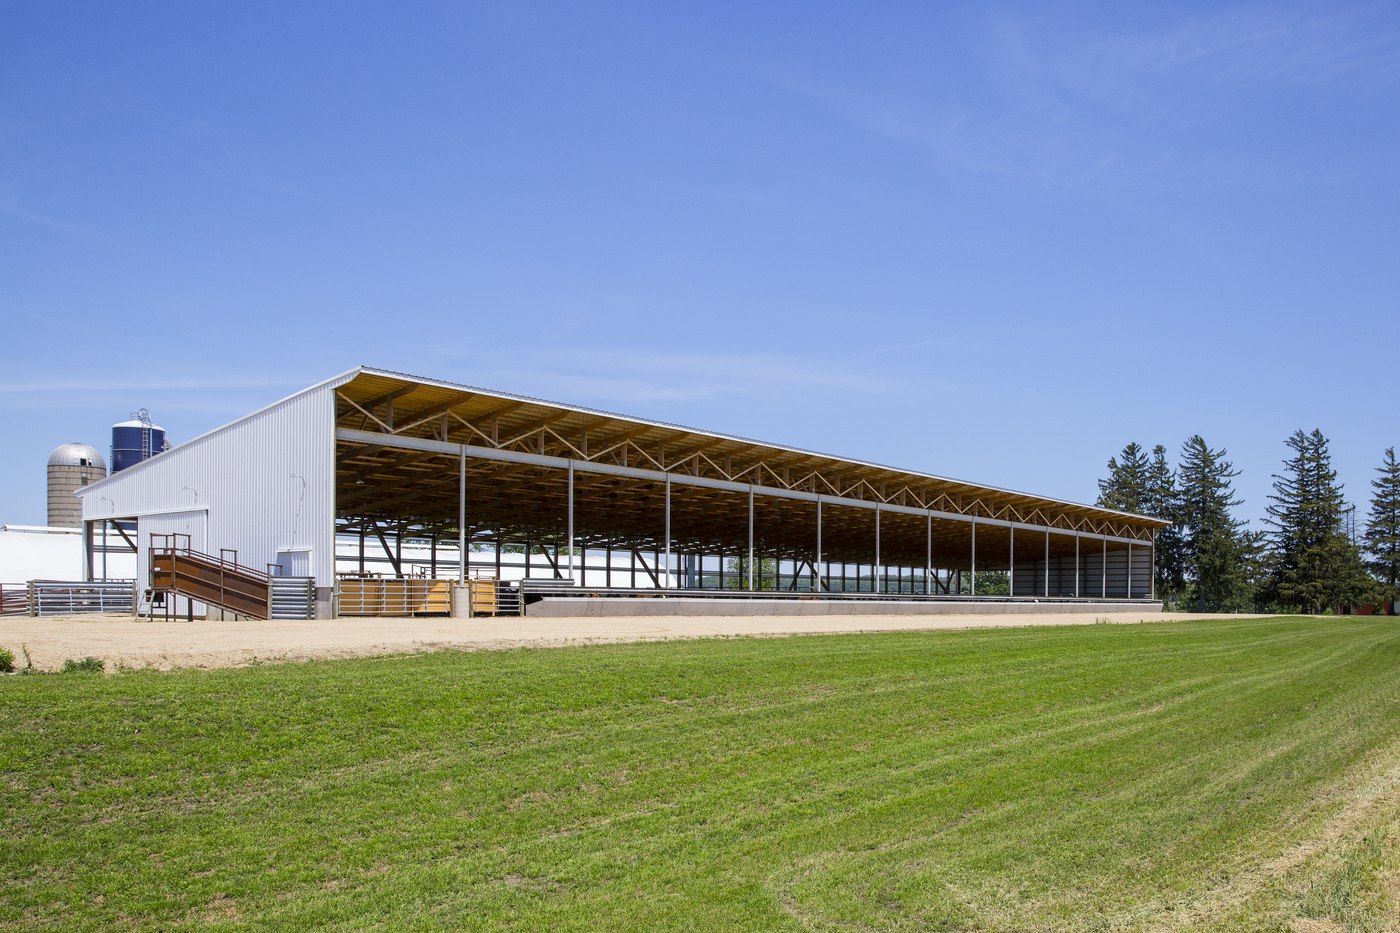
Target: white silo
[71, 467]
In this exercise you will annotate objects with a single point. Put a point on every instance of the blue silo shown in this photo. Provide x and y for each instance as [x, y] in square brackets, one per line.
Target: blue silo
[136, 440]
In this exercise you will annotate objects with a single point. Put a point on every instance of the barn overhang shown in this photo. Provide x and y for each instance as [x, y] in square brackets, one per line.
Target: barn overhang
[437, 459]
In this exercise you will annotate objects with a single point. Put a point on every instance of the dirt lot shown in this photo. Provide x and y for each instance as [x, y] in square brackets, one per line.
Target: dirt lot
[120, 640]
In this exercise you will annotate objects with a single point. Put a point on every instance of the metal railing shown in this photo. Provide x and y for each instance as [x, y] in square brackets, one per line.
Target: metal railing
[492, 597]
[393, 596]
[177, 569]
[292, 598]
[67, 597]
[14, 599]
[509, 600]
[179, 545]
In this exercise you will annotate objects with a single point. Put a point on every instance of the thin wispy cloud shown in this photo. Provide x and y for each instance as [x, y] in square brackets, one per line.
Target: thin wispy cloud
[18, 212]
[193, 384]
[1060, 101]
[208, 411]
[1189, 70]
[1231, 47]
[1005, 144]
[613, 377]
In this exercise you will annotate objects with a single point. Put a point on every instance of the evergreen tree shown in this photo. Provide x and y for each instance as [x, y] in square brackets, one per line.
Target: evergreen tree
[1215, 551]
[1383, 526]
[1147, 485]
[1255, 559]
[1125, 487]
[1315, 564]
[1163, 501]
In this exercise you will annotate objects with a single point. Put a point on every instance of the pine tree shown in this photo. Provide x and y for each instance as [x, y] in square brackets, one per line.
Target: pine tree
[1163, 501]
[1215, 551]
[1383, 526]
[1315, 564]
[1125, 487]
[1147, 485]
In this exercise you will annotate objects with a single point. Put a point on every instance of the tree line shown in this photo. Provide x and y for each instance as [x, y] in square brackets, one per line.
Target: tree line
[1309, 557]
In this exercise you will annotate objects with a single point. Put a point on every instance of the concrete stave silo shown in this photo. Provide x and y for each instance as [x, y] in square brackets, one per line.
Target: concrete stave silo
[71, 467]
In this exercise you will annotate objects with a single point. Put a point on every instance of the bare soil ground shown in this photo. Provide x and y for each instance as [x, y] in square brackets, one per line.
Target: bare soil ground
[126, 642]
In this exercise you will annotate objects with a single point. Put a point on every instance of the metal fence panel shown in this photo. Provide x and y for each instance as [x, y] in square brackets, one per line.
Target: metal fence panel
[68, 597]
[14, 599]
[394, 596]
[292, 597]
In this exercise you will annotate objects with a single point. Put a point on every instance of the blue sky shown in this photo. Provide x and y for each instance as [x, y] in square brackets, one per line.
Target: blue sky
[989, 241]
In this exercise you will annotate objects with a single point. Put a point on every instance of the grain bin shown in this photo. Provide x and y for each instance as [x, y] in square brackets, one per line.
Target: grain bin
[135, 440]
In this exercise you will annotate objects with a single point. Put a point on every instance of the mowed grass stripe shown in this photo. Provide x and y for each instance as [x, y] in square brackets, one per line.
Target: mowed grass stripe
[1007, 814]
[1086, 776]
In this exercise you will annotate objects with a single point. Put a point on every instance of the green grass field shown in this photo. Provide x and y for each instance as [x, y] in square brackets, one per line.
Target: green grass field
[1232, 775]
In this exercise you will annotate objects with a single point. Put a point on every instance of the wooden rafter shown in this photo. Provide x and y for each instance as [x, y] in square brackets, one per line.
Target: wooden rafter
[460, 415]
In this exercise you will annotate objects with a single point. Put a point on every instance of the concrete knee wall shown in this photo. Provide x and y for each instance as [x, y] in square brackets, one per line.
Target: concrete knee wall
[576, 607]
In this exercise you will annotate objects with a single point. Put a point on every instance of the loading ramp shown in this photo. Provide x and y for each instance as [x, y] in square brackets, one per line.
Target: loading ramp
[220, 582]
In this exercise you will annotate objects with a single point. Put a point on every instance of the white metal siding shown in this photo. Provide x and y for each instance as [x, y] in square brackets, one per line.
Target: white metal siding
[194, 523]
[28, 555]
[294, 563]
[267, 482]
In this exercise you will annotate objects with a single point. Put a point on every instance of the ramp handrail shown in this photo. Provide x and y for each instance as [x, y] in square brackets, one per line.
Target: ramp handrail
[228, 557]
[218, 581]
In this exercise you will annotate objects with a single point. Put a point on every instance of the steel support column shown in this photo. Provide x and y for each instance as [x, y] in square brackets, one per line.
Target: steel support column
[1011, 567]
[1046, 594]
[461, 520]
[876, 584]
[1152, 565]
[87, 551]
[750, 539]
[666, 580]
[928, 553]
[569, 529]
[972, 577]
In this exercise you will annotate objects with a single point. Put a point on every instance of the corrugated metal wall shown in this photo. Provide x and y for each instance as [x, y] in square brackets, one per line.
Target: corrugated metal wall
[1029, 578]
[267, 483]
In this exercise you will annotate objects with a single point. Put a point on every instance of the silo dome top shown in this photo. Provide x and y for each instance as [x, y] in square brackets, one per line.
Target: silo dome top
[76, 455]
[138, 423]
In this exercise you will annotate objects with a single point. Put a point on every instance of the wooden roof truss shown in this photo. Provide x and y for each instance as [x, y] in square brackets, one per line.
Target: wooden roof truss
[419, 490]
